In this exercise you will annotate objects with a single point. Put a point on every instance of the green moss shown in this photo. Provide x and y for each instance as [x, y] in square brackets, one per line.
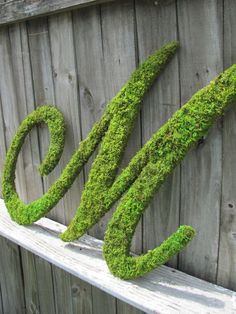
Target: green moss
[149, 169]
[142, 178]
[117, 121]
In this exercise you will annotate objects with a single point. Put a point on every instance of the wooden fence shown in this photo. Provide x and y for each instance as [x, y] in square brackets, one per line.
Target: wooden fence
[77, 60]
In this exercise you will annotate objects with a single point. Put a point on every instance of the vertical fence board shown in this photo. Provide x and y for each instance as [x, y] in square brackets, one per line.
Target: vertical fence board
[21, 74]
[45, 286]
[159, 22]
[11, 279]
[12, 285]
[9, 94]
[124, 308]
[119, 52]
[227, 251]
[66, 99]
[200, 30]
[43, 85]
[81, 296]
[11, 261]
[103, 303]
[31, 158]
[2, 143]
[90, 66]
[2, 156]
[40, 51]
[1, 305]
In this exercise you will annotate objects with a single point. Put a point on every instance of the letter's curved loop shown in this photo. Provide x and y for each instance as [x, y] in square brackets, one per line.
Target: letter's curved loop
[124, 106]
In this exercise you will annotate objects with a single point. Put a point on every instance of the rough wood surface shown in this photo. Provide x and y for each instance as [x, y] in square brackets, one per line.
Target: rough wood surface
[227, 250]
[67, 101]
[12, 286]
[89, 56]
[164, 290]
[120, 59]
[200, 34]
[162, 217]
[15, 11]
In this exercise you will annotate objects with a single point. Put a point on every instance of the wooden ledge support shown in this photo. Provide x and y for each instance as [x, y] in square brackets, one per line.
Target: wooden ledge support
[164, 290]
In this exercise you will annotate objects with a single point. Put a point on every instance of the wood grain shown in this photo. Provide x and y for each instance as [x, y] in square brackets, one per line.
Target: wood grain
[227, 250]
[161, 218]
[12, 286]
[15, 11]
[200, 33]
[163, 290]
[120, 60]
[90, 69]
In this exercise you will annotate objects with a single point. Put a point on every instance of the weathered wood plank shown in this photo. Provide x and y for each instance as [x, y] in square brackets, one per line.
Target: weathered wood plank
[12, 286]
[119, 53]
[81, 296]
[159, 22]
[67, 100]
[164, 290]
[2, 156]
[1, 305]
[55, 83]
[90, 68]
[227, 251]
[2, 143]
[200, 31]
[125, 308]
[15, 11]
[43, 85]
[9, 94]
[23, 91]
[103, 302]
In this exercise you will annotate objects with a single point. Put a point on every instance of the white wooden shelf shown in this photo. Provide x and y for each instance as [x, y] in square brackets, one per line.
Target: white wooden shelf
[164, 290]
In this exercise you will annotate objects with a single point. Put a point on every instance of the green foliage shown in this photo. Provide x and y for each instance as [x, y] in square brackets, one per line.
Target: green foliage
[125, 104]
[143, 176]
[149, 169]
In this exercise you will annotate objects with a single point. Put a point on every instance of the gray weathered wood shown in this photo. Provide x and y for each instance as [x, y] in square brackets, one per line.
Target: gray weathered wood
[103, 303]
[89, 56]
[12, 286]
[2, 144]
[162, 217]
[43, 85]
[81, 296]
[227, 250]
[1, 305]
[67, 100]
[200, 31]
[119, 53]
[15, 11]
[125, 308]
[54, 82]
[163, 290]
[22, 83]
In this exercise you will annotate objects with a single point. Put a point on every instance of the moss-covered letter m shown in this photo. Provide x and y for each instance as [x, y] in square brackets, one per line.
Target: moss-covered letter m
[138, 182]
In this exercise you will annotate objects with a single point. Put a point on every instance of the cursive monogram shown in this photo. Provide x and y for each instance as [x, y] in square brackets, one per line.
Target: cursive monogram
[138, 182]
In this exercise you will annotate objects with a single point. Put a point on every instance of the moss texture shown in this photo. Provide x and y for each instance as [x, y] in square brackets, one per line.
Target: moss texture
[116, 123]
[149, 169]
[142, 177]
